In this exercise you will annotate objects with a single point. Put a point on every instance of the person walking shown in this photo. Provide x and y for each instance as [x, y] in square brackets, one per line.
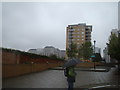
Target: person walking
[69, 71]
[70, 74]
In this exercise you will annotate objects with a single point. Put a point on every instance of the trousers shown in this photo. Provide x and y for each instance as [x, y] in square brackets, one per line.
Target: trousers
[70, 85]
[71, 81]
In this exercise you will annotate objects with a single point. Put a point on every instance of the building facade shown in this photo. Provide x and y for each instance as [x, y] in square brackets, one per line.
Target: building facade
[34, 51]
[106, 57]
[97, 50]
[62, 53]
[115, 31]
[78, 34]
[48, 51]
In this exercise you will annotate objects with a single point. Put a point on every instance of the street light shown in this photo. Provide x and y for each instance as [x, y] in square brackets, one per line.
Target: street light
[94, 54]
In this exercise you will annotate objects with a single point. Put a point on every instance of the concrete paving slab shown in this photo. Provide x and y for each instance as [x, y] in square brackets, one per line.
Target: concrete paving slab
[56, 79]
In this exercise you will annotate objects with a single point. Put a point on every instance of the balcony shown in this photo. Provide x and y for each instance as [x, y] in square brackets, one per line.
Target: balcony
[71, 30]
[88, 35]
[87, 39]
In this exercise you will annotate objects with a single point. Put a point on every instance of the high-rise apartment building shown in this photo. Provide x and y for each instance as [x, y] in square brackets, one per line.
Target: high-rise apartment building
[78, 34]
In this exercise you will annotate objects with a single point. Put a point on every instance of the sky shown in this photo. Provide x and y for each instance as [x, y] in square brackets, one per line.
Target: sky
[27, 25]
[119, 15]
[0, 24]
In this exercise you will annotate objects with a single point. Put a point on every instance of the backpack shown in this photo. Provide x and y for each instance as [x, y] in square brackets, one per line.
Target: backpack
[69, 72]
[66, 72]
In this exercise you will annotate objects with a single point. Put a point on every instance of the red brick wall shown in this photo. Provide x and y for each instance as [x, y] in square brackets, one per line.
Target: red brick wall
[24, 59]
[9, 57]
[89, 64]
[12, 70]
[13, 64]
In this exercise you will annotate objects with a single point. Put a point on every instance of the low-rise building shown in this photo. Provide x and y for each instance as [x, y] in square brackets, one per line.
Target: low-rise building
[115, 31]
[97, 50]
[32, 51]
[106, 57]
[62, 53]
[48, 51]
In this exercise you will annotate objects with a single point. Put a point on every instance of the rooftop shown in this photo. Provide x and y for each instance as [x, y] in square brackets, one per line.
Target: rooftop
[84, 24]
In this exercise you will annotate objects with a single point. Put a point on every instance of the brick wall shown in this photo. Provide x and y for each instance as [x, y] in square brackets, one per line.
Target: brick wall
[13, 63]
[89, 64]
[9, 57]
[18, 57]
[11, 70]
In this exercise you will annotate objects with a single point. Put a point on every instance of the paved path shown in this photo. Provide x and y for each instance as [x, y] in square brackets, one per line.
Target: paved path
[97, 69]
[56, 79]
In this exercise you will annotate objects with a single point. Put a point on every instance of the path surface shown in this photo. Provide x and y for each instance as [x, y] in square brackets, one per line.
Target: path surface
[56, 79]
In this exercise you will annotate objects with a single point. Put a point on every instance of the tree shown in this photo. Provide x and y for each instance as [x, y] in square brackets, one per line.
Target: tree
[80, 51]
[53, 56]
[118, 50]
[98, 57]
[85, 50]
[114, 48]
[72, 50]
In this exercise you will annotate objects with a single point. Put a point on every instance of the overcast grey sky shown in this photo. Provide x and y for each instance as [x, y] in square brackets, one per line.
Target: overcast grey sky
[36, 25]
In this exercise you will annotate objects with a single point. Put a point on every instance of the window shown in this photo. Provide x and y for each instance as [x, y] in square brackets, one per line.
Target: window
[71, 29]
[74, 36]
[82, 29]
[82, 39]
[89, 27]
[82, 32]
[69, 33]
[73, 39]
[73, 32]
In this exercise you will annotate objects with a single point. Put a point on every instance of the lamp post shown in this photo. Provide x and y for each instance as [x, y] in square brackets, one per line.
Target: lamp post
[118, 63]
[118, 46]
[94, 54]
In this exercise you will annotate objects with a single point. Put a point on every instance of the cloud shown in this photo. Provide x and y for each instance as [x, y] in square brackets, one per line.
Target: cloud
[36, 25]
